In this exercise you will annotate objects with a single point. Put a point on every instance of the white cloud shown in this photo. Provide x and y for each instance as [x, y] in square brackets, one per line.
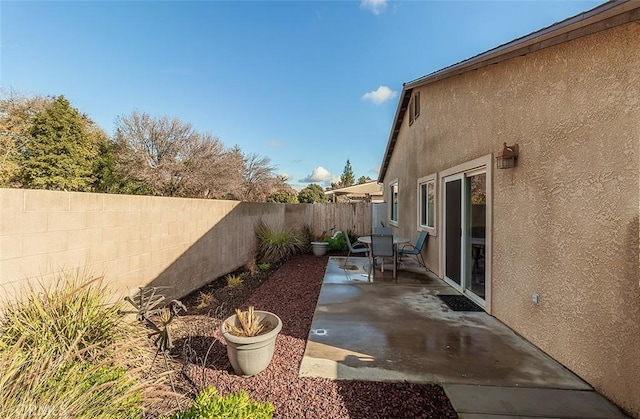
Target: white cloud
[376, 6]
[275, 143]
[380, 96]
[319, 174]
[375, 170]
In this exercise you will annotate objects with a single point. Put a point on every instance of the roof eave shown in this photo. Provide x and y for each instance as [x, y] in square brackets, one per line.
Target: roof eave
[403, 103]
[367, 187]
[605, 16]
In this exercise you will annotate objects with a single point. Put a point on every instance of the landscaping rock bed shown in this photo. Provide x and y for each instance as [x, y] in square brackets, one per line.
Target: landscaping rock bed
[291, 292]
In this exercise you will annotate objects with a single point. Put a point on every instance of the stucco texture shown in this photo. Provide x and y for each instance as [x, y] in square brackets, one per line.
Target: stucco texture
[565, 220]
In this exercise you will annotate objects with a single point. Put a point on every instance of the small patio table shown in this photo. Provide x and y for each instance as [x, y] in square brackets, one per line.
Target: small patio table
[396, 241]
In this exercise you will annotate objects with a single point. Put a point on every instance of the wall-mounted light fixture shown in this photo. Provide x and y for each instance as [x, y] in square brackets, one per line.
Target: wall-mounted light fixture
[506, 159]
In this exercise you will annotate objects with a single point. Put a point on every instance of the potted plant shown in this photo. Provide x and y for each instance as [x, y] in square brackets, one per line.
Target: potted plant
[319, 248]
[251, 337]
[335, 243]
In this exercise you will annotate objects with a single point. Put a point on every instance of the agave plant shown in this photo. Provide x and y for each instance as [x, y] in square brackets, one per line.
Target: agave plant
[249, 324]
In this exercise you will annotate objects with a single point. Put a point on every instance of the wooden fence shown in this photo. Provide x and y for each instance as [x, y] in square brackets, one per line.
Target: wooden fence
[352, 217]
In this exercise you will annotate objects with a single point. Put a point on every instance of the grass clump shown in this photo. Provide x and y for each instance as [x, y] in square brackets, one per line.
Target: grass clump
[205, 299]
[70, 315]
[65, 386]
[235, 280]
[264, 266]
[66, 352]
[278, 245]
[209, 405]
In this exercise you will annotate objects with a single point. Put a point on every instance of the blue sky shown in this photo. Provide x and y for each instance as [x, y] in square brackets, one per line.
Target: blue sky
[309, 84]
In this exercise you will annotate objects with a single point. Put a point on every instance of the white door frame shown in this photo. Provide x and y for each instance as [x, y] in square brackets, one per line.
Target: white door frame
[484, 163]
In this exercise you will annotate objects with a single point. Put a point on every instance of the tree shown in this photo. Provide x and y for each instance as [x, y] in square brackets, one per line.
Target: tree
[312, 194]
[16, 120]
[61, 148]
[259, 178]
[284, 196]
[347, 178]
[364, 179]
[109, 179]
[170, 158]
[231, 183]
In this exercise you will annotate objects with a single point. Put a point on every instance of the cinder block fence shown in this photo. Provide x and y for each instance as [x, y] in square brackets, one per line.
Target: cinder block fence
[137, 241]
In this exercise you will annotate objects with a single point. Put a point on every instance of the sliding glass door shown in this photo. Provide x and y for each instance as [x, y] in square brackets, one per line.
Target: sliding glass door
[465, 232]
[453, 229]
[476, 226]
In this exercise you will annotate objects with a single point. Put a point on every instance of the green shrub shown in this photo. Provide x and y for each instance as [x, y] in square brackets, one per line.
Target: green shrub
[264, 266]
[209, 405]
[278, 245]
[337, 243]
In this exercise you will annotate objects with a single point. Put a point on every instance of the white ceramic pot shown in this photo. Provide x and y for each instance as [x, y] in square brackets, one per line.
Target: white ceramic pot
[252, 355]
[319, 248]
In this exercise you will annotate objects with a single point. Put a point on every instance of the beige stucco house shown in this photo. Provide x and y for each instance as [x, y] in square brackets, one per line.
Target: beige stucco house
[550, 246]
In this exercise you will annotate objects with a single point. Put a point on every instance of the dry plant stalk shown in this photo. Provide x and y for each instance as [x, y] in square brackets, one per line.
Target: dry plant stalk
[205, 299]
[250, 324]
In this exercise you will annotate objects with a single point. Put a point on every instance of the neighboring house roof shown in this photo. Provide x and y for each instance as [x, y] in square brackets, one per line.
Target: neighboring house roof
[605, 16]
[369, 188]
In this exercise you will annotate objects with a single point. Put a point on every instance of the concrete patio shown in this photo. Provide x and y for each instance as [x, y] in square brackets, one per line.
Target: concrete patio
[399, 330]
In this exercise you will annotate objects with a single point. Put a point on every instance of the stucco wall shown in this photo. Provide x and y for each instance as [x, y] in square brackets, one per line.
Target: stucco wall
[137, 241]
[565, 220]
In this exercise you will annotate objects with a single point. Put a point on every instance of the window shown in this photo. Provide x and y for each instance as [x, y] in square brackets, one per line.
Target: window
[427, 202]
[414, 107]
[393, 204]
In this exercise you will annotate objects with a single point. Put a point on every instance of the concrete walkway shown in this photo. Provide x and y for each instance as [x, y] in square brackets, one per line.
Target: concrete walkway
[388, 330]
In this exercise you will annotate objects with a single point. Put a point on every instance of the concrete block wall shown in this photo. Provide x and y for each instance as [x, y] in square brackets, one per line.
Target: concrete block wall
[133, 241]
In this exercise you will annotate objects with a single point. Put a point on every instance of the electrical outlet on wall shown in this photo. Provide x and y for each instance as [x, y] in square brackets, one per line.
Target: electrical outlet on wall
[536, 298]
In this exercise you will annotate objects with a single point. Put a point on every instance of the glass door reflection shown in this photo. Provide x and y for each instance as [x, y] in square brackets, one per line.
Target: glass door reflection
[475, 223]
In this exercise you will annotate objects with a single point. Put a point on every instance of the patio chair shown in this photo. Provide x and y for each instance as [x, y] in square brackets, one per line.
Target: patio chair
[357, 247]
[415, 249]
[381, 246]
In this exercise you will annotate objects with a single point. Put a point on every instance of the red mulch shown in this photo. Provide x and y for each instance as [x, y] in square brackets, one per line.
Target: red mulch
[291, 292]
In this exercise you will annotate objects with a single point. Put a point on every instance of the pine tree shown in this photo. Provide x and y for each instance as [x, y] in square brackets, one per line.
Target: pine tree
[61, 149]
[347, 178]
